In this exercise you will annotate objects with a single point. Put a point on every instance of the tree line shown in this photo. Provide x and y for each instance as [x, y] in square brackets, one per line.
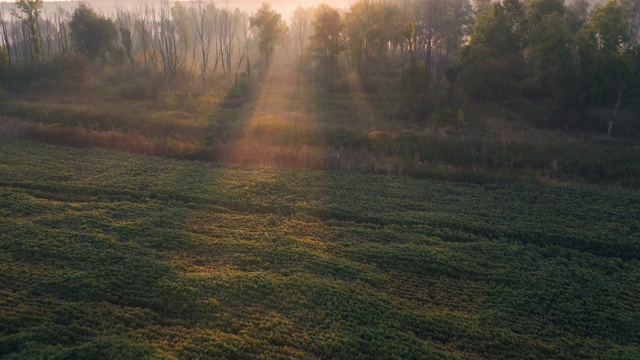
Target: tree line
[164, 38]
[429, 57]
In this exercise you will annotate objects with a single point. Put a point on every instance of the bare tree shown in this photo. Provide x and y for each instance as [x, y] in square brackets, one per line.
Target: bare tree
[204, 19]
[126, 28]
[228, 39]
[183, 29]
[165, 40]
[61, 19]
[29, 11]
[300, 28]
[5, 34]
[244, 42]
[143, 27]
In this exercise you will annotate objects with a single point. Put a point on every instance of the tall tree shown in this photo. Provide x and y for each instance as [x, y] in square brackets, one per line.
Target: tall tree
[5, 35]
[126, 25]
[369, 26]
[143, 26]
[244, 42]
[300, 32]
[5, 66]
[29, 11]
[271, 27]
[228, 26]
[617, 57]
[451, 26]
[183, 28]
[205, 18]
[611, 27]
[632, 11]
[493, 60]
[554, 65]
[165, 40]
[92, 34]
[327, 40]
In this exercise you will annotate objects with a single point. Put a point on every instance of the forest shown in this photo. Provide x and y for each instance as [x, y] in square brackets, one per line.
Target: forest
[431, 58]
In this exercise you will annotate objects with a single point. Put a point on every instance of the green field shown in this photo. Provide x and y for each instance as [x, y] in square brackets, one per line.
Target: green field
[112, 255]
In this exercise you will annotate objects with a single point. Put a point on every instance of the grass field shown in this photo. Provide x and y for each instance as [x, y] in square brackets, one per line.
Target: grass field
[112, 255]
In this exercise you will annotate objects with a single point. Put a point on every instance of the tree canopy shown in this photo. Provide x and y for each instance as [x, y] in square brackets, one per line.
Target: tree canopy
[327, 40]
[92, 34]
[271, 27]
[31, 9]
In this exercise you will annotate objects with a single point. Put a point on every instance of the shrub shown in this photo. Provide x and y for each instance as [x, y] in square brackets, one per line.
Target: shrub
[5, 65]
[57, 73]
[73, 69]
[140, 90]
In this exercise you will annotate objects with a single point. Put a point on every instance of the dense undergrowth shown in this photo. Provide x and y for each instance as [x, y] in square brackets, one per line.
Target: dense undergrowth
[113, 255]
[280, 123]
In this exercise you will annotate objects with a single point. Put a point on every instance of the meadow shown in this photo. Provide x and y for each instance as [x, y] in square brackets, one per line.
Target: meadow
[279, 121]
[112, 255]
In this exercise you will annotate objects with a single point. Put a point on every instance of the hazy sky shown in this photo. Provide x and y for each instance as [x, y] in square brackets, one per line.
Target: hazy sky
[285, 7]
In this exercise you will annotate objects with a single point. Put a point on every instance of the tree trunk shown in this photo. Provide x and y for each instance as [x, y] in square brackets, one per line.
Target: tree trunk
[427, 66]
[5, 36]
[615, 112]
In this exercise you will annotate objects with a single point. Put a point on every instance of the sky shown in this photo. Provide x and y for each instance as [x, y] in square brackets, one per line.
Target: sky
[285, 7]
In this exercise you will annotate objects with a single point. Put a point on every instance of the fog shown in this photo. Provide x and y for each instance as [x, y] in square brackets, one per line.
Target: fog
[284, 7]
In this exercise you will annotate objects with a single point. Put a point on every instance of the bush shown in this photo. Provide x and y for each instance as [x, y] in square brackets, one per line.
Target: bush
[60, 72]
[139, 90]
[73, 69]
[5, 65]
[23, 77]
[3, 95]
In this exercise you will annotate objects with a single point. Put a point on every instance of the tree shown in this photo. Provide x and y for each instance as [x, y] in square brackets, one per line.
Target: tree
[183, 27]
[493, 60]
[127, 43]
[30, 10]
[244, 43]
[204, 18]
[554, 65]
[143, 28]
[165, 40]
[617, 57]
[577, 14]
[327, 39]
[5, 65]
[632, 11]
[229, 24]
[91, 34]
[125, 25]
[271, 27]
[368, 26]
[300, 31]
[5, 36]
[444, 28]
[611, 27]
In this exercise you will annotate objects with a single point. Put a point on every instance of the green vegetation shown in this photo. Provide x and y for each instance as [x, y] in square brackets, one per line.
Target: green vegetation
[429, 59]
[113, 255]
[481, 199]
[536, 91]
[281, 123]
